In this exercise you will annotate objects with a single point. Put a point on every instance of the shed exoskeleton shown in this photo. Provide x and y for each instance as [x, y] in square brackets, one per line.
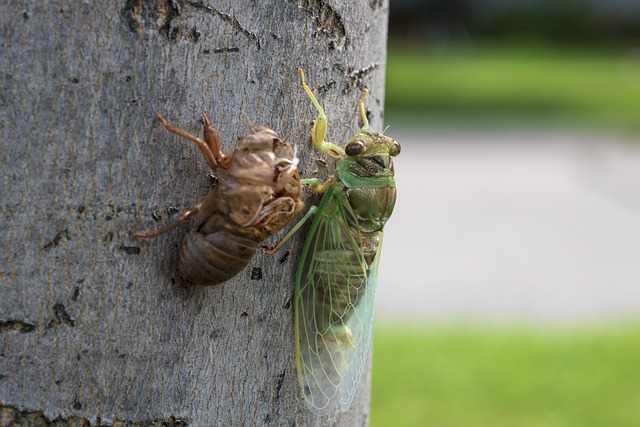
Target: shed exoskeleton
[257, 194]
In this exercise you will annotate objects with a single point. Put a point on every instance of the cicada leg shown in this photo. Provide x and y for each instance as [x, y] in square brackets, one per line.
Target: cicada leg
[315, 184]
[251, 128]
[312, 210]
[212, 139]
[319, 130]
[363, 112]
[203, 146]
[183, 217]
[277, 214]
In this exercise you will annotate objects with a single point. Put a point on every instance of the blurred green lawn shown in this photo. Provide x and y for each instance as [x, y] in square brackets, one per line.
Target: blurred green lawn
[516, 81]
[454, 376]
[493, 377]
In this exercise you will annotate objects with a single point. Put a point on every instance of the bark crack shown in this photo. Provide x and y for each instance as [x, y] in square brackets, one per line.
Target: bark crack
[355, 76]
[160, 16]
[61, 237]
[16, 326]
[12, 416]
[328, 21]
[229, 19]
[164, 16]
[60, 315]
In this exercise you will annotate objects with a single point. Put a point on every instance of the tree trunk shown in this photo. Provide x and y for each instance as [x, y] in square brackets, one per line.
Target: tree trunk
[95, 325]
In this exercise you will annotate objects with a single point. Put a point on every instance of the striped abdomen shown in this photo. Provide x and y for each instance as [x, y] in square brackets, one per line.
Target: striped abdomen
[340, 279]
[209, 259]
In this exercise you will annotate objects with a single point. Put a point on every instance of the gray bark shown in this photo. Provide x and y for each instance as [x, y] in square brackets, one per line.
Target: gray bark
[95, 324]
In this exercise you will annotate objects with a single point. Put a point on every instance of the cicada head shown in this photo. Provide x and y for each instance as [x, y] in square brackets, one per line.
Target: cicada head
[368, 155]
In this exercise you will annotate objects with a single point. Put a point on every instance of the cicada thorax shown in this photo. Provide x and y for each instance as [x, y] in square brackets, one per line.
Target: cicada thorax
[370, 207]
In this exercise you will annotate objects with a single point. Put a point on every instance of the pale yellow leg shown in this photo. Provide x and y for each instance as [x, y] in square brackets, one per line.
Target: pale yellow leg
[363, 113]
[315, 184]
[319, 131]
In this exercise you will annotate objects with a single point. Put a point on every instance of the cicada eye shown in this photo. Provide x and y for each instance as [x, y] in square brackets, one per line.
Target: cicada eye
[395, 149]
[354, 148]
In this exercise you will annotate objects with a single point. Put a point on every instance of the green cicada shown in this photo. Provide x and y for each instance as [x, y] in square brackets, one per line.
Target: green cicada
[337, 273]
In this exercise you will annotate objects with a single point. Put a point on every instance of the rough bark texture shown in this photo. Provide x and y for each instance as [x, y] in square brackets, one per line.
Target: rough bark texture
[94, 324]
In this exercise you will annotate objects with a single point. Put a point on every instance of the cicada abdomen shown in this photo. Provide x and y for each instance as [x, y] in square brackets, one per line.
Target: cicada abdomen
[257, 194]
[342, 267]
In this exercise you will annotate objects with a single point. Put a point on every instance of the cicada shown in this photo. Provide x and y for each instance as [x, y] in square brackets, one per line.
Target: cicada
[257, 194]
[337, 272]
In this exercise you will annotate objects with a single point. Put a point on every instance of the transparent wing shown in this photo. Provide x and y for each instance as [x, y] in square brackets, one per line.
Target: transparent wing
[334, 302]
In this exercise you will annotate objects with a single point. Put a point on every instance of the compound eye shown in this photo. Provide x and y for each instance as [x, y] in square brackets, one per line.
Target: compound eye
[395, 149]
[354, 148]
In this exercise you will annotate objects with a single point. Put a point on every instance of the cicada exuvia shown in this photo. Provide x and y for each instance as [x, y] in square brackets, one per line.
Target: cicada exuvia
[256, 195]
[337, 272]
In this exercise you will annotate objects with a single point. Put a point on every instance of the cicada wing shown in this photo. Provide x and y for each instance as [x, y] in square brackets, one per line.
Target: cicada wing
[334, 302]
[361, 324]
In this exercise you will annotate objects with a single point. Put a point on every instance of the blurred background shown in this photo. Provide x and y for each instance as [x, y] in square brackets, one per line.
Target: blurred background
[509, 287]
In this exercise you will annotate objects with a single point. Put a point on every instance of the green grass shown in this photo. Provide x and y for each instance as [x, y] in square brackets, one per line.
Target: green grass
[466, 377]
[516, 81]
